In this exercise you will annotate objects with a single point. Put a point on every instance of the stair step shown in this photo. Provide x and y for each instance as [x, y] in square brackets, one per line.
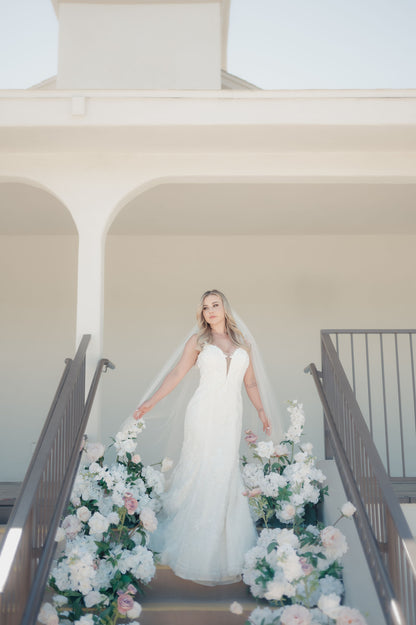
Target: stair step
[171, 600]
[192, 614]
[166, 586]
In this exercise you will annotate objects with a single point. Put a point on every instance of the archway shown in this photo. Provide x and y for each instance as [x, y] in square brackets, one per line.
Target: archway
[38, 253]
[293, 257]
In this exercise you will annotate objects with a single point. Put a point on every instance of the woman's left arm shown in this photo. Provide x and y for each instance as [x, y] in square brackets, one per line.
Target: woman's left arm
[253, 392]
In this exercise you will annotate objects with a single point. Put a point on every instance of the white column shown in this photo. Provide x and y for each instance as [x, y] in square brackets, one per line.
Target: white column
[90, 308]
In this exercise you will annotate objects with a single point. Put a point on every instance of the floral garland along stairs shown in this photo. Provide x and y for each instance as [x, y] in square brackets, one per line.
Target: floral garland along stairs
[293, 576]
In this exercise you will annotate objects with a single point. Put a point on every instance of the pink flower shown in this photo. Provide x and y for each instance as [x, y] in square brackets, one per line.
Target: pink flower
[124, 603]
[72, 525]
[136, 458]
[349, 616]
[130, 503]
[295, 615]
[307, 567]
[131, 590]
[250, 437]
[254, 492]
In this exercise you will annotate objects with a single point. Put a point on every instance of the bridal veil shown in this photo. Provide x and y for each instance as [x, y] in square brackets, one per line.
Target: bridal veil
[164, 424]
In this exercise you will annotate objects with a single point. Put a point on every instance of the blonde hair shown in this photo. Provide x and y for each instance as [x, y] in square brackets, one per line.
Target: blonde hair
[204, 329]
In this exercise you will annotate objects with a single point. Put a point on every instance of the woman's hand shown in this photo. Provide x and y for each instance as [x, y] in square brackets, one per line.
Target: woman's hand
[266, 423]
[142, 409]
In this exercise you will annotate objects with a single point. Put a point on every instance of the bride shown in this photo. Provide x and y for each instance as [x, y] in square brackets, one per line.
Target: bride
[205, 526]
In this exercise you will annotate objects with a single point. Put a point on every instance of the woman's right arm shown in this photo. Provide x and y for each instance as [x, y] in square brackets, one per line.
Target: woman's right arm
[186, 362]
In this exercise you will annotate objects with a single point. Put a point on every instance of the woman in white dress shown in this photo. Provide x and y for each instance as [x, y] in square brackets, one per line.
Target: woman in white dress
[205, 527]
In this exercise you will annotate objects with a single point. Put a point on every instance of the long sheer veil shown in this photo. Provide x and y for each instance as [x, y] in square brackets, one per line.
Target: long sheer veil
[164, 424]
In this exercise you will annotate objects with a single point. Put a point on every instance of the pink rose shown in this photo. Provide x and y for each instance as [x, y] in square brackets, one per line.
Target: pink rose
[349, 616]
[250, 437]
[136, 459]
[295, 615]
[125, 602]
[130, 503]
[131, 590]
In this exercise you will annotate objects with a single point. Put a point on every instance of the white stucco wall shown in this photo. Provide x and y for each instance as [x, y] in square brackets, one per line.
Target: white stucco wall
[37, 332]
[286, 288]
[145, 45]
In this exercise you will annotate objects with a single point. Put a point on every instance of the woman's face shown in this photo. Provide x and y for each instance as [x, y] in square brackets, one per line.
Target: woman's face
[213, 309]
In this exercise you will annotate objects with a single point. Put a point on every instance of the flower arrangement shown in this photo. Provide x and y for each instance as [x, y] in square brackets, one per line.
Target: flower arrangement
[104, 560]
[296, 563]
[283, 486]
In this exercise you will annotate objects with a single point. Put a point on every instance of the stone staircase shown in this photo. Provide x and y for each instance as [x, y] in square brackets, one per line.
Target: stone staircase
[170, 600]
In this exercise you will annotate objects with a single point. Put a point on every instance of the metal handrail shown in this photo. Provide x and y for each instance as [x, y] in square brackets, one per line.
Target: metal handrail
[32, 526]
[384, 532]
[35, 597]
[380, 366]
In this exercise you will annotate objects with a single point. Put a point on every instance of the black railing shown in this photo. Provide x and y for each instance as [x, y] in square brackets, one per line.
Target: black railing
[384, 532]
[29, 544]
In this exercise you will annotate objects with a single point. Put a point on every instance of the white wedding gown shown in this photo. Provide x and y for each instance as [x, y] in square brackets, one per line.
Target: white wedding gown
[205, 527]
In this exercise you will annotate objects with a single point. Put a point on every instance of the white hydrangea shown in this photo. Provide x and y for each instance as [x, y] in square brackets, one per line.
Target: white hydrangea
[155, 479]
[252, 475]
[264, 616]
[271, 483]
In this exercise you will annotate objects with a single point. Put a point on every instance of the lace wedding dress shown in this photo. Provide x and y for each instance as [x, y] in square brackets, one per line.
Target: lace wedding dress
[205, 527]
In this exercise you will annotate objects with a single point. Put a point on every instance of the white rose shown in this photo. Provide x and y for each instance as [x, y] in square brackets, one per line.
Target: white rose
[287, 512]
[98, 523]
[135, 611]
[92, 598]
[334, 542]
[167, 464]
[60, 534]
[148, 519]
[94, 451]
[83, 514]
[348, 509]
[295, 615]
[329, 604]
[265, 449]
[236, 608]
[48, 615]
[276, 590]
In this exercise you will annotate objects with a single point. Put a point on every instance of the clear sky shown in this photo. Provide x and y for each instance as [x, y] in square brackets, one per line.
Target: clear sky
[276, 44]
